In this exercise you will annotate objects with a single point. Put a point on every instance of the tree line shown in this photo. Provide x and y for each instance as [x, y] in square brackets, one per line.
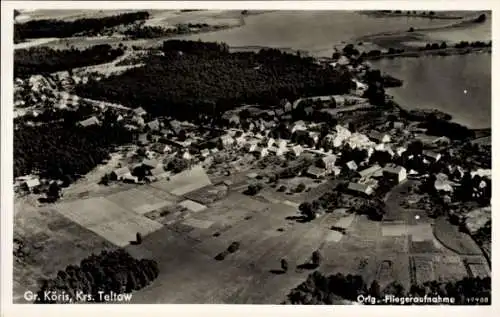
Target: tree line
[60, 29]
[44, 60]
[196, 79]
[321, 289]
[110, 271]
[61, 149]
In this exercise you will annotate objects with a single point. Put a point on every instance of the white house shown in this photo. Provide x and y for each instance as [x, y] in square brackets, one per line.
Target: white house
[205, 152]
[270, 142]
[352, 165]
[432, 156]
[226, 140]
[187, 155]
[297, 150]
[329, 162]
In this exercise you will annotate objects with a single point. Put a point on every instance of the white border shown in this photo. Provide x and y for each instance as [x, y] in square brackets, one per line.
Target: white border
[9, 309]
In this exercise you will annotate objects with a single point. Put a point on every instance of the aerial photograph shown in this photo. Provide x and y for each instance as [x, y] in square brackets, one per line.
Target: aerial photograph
[252, 157]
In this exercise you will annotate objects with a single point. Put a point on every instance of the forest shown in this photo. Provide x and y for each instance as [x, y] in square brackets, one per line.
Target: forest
[321, 289]
[44, 60]
[197, 79]
[110, 271]
[62, 149]
[60, 29]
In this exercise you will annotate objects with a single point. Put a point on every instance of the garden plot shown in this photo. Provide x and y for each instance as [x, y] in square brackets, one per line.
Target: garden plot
[421, 232]
[138, 201]
[345, 222]
[422, 269]
[197, 223]
[394, 230]
[107, 219]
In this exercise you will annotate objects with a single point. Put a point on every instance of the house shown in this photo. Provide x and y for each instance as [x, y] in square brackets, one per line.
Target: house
[298, 126]
[379, 137]
[282, 144]
[241, 140]
[352, 165]
[154, 125]
[187, 156]
[395, 174]
[175, 126]
[431, 156]
[297, 150]
[398, 125]
[129, 178]
[360, 189]
[89, 122]
[262, 152]
[226, 140]
[140, 112]
[372, 171]
[205, 152]
[315, 172]
[270, 142]
[251, 146]
[314, 136]
[329, 162]
[442, 183]
[31, 184]
[279, 112]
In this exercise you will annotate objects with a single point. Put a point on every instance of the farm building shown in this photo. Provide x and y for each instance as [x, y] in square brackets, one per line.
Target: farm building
[360, 189]
[31, 184]
[395, 174]
[315, 172]
[352, 165]
[119, 173]
[314, 136]
[140, 111]
[260, 152]
[379, 137]
[89, 122]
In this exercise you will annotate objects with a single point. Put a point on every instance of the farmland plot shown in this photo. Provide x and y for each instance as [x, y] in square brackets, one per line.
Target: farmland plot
[108, 219]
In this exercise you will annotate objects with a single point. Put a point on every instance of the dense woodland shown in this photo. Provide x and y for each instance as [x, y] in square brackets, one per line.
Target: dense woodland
[111, 271]
[44, 60]
[60, 29]
[321, 289]
[62, 149]
[195, 79]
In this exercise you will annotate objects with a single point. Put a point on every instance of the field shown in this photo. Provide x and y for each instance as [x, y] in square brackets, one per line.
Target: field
[185, 238]
[108, 219]
[49, 242]
[184, 182]
[450, 236]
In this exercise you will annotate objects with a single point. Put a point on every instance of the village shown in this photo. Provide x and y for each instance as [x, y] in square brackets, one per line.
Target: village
[205, 182]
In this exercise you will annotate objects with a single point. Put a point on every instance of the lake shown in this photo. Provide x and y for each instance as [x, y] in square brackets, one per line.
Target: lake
[313, 31]
[459, 85]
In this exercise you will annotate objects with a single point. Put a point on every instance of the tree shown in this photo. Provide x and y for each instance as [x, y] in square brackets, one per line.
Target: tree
[375, 289]
[53, 192]
[284, 265]
[306, 209]
[300, 188]
[253, 189]
[316, 258]
[138, 238]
